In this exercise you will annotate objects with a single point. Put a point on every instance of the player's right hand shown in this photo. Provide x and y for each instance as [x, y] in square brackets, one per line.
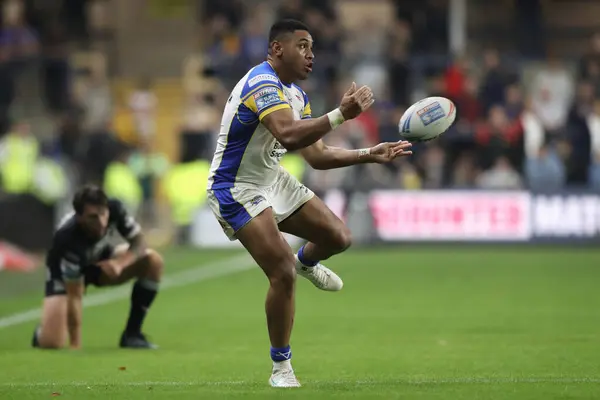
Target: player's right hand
[356, 101]
[111, 268]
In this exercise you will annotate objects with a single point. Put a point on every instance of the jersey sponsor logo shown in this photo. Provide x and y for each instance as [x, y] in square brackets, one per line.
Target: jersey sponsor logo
[277, 151]
[431, 113]
[266, 97]
[262, 77]
[265, 91]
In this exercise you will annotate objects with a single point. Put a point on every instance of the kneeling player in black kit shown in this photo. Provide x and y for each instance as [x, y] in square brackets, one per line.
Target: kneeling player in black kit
[81, 255]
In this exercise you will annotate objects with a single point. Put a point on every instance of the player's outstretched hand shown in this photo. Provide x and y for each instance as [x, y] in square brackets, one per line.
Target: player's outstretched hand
[356, 101]
[386, 152]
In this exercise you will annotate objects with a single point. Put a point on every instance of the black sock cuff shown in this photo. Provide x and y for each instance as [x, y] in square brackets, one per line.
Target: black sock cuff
[148, 284]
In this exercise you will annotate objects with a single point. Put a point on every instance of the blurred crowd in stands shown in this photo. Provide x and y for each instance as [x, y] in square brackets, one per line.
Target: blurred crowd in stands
[536, 126]
[513, 131]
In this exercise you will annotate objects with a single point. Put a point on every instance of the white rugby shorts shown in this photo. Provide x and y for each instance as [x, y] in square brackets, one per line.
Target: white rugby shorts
[235, 207]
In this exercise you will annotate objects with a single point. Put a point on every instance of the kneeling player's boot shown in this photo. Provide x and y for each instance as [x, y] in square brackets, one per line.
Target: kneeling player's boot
[320, 276]
[35, 342]
[136, 341]
[283, 375]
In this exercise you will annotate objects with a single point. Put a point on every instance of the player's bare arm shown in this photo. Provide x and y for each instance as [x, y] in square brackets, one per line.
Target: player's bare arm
[298, 134]
[75, 290]
[137, 249]
[320, 156]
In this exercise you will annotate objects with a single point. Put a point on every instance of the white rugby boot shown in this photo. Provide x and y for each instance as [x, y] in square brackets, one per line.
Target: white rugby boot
[283, 375]
[320, 276]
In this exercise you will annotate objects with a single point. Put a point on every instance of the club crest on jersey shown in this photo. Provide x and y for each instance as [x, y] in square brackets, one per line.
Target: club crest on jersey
[431, 113]
[262, 77]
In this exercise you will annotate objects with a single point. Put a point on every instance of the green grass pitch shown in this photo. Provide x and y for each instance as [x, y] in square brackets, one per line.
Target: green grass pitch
[411, 323]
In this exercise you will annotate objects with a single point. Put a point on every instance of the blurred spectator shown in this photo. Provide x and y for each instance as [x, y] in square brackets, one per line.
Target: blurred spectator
[293, 9]
[545, 172]
[464, 172]
[200, 127]
[388, 117]
[432, 165]
[499, 137]
[514, 103]
[231, 10]
[56, 71]
[579, 134]
[589, 66]
[17, 40]
[143, 103]
[530, 27]
[552, 93]
[96, 102]
[455, 77]
[494, 80]
[468, 106]
[19, 151]
[398, 64]
[149, 167]
[501, 176]
[255, 41]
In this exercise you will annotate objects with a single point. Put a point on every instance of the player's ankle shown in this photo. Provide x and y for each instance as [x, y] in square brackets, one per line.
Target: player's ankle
[281, 354]
[306, 262]
[282, 365]
[132, 331]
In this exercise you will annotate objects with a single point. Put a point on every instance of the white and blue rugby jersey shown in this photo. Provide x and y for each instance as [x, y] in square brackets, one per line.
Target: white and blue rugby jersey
[247, 153]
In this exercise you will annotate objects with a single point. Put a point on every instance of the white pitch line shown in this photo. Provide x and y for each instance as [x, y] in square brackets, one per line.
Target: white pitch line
[216, 269]
[400, 381]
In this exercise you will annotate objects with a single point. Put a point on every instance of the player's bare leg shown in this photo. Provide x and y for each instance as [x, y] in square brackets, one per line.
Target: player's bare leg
[52, 332]
[273, 254]
[327, 236]
[148, 271]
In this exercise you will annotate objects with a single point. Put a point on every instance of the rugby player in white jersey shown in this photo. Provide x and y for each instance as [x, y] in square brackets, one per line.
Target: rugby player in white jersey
[255, 199]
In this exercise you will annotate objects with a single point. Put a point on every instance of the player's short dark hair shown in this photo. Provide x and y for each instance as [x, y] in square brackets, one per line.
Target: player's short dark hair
[285, 26]
[89, 194]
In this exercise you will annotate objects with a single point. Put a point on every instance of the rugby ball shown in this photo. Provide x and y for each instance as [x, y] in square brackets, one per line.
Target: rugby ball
[427, 119]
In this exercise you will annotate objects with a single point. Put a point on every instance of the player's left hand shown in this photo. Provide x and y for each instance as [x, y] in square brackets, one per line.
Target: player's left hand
[386, 152]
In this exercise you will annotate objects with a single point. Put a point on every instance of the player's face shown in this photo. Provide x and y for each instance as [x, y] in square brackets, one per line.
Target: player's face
[94, 220]
[298, 54]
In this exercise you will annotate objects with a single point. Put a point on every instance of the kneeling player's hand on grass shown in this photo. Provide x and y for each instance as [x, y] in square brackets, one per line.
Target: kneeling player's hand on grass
[111, 268]
[356, 101]
[386, 152]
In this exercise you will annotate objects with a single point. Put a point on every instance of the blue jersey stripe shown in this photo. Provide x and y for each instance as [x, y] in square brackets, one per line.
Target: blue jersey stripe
[237, 141]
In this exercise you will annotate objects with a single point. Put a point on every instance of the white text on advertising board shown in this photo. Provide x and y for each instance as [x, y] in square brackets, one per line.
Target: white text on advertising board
[566, 215]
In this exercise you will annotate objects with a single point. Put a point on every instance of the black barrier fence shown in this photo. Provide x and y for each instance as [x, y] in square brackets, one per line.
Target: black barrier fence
[26, 222]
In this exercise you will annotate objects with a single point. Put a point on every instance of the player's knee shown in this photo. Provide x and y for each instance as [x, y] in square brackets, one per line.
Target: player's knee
[284, 275]
[50, 345]
[155, 263]
[50, 342]
[284, 279]
[341, 239]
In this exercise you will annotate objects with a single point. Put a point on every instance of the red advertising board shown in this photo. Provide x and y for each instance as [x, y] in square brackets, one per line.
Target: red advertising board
[451, 215]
